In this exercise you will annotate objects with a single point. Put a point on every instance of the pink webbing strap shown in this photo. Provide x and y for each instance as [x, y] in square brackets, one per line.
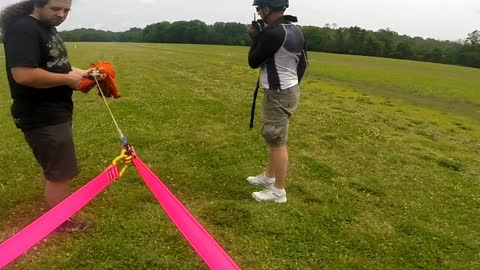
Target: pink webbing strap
[203, 243]
[43, 226]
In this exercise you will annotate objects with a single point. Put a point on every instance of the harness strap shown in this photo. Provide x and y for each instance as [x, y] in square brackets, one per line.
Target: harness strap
[214, 256]
[255, 94]
[43, 226]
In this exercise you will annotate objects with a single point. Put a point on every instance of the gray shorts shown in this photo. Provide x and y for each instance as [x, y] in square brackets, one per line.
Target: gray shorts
[53, 149]
[278, 107]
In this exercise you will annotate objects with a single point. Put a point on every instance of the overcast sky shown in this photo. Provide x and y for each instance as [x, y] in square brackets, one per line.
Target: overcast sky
[439, 19]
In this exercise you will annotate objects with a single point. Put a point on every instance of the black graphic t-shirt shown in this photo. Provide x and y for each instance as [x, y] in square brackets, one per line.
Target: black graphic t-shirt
[31, 43]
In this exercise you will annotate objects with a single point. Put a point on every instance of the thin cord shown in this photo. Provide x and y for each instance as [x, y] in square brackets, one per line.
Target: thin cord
[122, 137]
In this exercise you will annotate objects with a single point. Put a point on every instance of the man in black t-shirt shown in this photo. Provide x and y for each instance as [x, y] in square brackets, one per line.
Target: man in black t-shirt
[278, 49]
[41, 82]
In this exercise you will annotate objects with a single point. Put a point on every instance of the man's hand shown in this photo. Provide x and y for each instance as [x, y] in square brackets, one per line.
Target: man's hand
[252, 31]
[256, 28]
[89, 73]
[74, 79]
[82, 72]
[100, 76]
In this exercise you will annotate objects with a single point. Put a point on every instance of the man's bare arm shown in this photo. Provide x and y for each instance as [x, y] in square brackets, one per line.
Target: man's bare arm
[40, 78]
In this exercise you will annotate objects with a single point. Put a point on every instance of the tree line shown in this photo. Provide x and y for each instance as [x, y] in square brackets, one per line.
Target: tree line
[387, 43]
[351, 40]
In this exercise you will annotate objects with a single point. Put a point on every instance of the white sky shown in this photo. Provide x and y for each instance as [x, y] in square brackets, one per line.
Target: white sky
[439, 19]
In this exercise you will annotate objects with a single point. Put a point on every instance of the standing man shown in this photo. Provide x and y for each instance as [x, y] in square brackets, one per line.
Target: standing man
[41, 83]
[279, 50]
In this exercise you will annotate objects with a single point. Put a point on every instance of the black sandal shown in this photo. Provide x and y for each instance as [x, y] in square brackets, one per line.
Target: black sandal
[72, 225]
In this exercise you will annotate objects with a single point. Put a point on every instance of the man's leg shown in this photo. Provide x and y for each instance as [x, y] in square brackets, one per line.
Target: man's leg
[278, 107]
[278, 165]
[53, 148]
[56, 191]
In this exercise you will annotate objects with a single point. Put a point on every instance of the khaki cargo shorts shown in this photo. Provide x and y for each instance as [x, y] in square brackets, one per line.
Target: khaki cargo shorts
[278, 107]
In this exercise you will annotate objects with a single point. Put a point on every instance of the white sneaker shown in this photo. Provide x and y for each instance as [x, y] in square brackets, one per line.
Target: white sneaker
[268, 195]
[261, 179]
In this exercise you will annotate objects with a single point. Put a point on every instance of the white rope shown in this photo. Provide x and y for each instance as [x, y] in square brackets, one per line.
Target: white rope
[96, 74]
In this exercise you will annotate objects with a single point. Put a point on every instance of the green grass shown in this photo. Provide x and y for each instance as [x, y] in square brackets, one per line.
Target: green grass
[384, 165]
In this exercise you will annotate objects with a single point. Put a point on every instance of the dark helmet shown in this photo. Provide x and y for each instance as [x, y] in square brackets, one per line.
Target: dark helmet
[274, 4]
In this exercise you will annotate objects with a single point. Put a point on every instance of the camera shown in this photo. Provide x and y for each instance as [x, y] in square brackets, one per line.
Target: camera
[258, 25]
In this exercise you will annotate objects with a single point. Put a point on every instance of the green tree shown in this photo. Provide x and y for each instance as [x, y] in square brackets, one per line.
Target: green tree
[373, 47]
[132, 35]
[156, 32]
[356, 39]
[386, 37]
[403, 51]
[436, 55]
[473, 38]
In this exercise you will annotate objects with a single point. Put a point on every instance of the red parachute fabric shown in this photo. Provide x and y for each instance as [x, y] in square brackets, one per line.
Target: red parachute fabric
[108, 86]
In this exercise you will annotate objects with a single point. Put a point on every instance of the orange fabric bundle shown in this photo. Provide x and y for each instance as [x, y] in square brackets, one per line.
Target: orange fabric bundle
[108, 86]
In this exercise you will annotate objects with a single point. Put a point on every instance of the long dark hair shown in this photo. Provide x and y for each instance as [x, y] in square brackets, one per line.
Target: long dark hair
[13, 12]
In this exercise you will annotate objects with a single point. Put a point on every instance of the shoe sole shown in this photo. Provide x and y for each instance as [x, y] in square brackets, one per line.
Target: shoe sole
[275, 201]
[259, 184]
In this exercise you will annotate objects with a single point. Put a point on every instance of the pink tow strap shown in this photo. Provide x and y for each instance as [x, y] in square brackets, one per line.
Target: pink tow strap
[203, 243]
[43, 226]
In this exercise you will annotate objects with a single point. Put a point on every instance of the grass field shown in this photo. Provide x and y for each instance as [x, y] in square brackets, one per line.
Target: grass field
[385, 166]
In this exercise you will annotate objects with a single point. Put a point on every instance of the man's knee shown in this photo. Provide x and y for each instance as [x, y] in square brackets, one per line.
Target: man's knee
[275, 136]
